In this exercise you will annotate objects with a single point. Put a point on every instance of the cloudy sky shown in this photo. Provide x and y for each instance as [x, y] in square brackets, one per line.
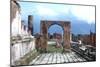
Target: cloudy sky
[65, 12]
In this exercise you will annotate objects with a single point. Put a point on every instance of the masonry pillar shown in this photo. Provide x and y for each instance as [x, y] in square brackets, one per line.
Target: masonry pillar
[30, 24]
[44, 36]
[67, 37]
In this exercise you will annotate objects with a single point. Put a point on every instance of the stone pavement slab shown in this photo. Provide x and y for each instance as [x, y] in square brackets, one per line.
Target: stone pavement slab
[53, 58]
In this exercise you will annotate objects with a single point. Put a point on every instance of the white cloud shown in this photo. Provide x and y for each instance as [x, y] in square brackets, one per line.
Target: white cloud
[64, 9]
[45, 11]
[86, 13]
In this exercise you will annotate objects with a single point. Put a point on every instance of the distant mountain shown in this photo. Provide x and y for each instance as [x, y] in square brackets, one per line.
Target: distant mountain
[82, 27]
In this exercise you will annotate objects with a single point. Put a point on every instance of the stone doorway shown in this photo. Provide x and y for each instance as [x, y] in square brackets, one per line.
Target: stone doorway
[45, 24]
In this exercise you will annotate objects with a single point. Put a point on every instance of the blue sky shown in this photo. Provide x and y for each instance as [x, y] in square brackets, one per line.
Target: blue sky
[82, 18]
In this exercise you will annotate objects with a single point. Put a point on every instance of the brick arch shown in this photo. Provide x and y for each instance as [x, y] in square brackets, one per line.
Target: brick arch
[45, 24]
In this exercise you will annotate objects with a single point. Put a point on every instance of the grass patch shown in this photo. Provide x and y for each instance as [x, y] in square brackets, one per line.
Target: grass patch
[52, 48]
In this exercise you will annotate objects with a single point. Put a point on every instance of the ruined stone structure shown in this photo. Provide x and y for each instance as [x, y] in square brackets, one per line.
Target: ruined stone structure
[22, 45]
[14, 9]
[44, 32]
[15, 18]
[30, 24]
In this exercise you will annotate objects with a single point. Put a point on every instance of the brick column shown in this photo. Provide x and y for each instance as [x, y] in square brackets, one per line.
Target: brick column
[44, 36]
[30, 24]
[67, 37]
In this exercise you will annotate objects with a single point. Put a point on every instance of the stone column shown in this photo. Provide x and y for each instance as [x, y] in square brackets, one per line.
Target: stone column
[30, 24]
[67, 37]
[44, 36]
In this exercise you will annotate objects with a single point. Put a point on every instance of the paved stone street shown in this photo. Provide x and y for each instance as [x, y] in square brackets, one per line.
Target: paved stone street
[53, 58]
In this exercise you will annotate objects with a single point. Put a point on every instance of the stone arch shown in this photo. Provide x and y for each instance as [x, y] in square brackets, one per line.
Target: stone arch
[56, 25]
[45, 24]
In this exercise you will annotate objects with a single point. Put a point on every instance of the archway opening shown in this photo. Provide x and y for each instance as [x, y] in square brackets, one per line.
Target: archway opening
[55, 38]
[45, 25]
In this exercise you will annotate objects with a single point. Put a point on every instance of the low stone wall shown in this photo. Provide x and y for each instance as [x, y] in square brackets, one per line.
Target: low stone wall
[21, 50]
[27, 58]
